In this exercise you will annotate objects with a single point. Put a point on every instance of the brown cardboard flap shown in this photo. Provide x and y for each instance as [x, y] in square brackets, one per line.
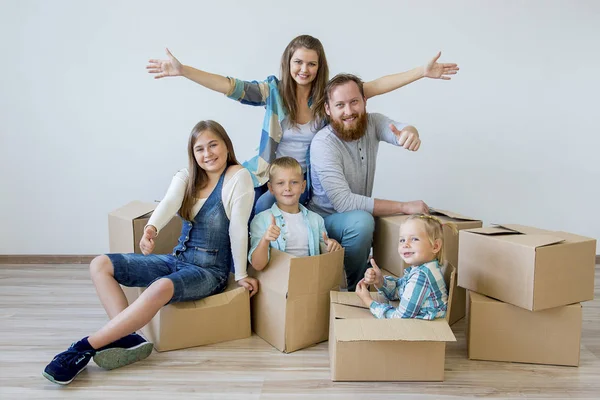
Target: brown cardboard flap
[316, 274]
[450, 214]
[492, 231]
[343, 311]
[275, 275]
[351, 299]
[520, 234]
[134, 210]
[375, 330]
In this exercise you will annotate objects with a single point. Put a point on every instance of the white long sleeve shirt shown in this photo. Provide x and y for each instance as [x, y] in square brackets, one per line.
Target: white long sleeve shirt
[238, 198]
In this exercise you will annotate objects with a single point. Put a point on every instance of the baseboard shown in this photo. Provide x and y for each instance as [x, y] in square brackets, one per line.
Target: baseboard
[45, 259]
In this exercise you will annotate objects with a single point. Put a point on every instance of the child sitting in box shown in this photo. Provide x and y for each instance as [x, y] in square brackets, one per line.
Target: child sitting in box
[422, 291]
[287, 226]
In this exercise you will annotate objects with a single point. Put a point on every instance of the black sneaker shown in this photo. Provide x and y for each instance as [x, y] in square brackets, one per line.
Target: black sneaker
[125, 351]
[67, 365]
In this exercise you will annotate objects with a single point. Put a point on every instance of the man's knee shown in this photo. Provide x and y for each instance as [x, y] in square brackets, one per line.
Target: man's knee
[361, 226]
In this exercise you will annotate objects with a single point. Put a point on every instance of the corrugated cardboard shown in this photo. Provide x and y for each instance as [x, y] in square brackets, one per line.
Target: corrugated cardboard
[528, 267]
[126, 228]
[218, 318]
[291, 309]
[214, 319]
[499, 331]
[363, 348]
[385, 249]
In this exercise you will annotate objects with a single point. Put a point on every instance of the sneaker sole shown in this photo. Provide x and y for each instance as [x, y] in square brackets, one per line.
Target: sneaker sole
[51, 378]
[119, 357]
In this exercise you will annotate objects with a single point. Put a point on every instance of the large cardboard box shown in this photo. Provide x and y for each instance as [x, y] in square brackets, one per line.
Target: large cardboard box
[528, 267]
[499, 331]
[291, 309]
[364, 348]
[126, 228]
[385, 249]
[214, 319]
[218, 318]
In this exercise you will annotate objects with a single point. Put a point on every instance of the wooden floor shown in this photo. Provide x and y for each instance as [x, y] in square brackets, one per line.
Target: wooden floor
[43, 308]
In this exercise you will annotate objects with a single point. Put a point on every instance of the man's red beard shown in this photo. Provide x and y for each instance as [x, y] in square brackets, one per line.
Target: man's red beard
[353, 133]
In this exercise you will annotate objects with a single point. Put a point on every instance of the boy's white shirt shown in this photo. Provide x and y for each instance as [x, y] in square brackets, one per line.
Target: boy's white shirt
[297, 234]
[237, 197]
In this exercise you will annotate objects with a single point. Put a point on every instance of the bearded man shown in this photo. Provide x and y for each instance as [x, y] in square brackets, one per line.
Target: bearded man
[343, 156]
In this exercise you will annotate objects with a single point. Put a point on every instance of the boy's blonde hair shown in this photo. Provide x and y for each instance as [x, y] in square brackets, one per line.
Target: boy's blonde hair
[284, 163]
[434, 227]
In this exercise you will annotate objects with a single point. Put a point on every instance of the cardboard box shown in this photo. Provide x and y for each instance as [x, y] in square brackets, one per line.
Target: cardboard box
[364, 348]
[126, 228]
[218, 318]
[499, 331]
[291, 309]
[214, 319]
[528, 267]
[385, 249]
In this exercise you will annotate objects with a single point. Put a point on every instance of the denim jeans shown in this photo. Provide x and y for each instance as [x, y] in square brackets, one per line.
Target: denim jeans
[354, 231]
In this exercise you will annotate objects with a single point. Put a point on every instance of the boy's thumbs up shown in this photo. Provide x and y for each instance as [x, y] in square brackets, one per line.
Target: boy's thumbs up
[325, 238]
[273, 222]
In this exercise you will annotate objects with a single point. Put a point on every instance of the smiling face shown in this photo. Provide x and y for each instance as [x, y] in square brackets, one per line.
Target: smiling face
[347, 111]
[210, 152]
[304, 65]
[287, 184]
[414, 245]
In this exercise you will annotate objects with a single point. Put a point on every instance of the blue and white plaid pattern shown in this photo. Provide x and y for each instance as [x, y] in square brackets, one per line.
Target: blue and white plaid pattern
[422, 292]
[264, 93]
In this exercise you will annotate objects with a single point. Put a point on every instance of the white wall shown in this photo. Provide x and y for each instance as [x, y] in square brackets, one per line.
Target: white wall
[84, 129]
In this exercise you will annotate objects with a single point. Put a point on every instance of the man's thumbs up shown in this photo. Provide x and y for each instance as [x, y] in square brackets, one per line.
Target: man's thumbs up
[407, 137]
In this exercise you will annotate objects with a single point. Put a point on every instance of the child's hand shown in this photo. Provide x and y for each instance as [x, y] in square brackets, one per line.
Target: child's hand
[373, 276]
[332, 244]
[362, 291]
[147, 241]
[251, 284]
[273, 232]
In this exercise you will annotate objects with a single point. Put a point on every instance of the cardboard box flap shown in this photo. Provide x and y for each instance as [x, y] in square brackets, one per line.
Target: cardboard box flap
[343, 311]
[492, 231]
[351, 299]
[275, 275]
[315, 275]
[450, 214]
[133, 210]
[376, 330]
[520, 234]
[572, 238]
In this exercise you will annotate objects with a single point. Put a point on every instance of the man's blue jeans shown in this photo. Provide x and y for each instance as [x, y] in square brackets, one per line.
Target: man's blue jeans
[354, 231]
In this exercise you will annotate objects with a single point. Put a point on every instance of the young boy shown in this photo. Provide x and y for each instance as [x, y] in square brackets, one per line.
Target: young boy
[287, 226]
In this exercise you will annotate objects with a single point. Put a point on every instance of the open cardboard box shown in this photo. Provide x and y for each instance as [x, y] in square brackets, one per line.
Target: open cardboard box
[364, 348]
[291, 309]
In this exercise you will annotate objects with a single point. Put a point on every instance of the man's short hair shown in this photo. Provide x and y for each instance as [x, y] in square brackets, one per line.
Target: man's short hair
[341, 79]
